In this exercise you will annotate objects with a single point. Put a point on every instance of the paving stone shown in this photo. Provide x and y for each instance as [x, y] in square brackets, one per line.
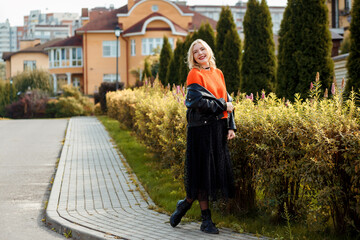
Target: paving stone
[94, 196]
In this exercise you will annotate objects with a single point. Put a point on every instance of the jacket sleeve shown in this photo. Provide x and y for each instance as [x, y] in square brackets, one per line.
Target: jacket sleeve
[194, 99]
[231, 116]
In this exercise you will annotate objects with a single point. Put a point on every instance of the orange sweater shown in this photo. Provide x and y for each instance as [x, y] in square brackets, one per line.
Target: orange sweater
[212, 80]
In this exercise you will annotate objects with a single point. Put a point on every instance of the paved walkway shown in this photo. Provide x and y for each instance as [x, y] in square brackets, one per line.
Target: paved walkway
[96, 197]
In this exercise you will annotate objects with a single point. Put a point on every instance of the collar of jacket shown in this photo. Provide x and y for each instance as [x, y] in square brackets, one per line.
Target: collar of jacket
[204, 91]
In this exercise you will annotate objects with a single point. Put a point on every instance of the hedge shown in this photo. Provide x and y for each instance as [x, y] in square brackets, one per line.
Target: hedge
[304, 155]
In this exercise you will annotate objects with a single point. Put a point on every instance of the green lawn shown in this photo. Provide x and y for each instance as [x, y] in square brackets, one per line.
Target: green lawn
[165, 191]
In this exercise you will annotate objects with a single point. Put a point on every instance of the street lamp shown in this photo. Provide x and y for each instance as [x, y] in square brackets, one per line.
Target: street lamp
[117, 35]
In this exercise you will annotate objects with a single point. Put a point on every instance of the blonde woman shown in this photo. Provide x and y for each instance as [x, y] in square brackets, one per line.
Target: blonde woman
[208, 169]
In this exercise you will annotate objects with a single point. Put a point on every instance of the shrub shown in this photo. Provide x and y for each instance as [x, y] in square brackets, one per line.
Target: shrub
[68, 107]
[70, 103]
[106, 87]
[7, 96]
[35, 79]
[97, 109]
[31, 105]
[303, 155]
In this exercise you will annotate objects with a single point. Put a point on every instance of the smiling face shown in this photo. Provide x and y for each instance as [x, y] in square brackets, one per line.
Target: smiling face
[201, 55]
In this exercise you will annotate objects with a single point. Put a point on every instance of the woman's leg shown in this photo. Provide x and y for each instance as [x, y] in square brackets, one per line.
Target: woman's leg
[181, 208]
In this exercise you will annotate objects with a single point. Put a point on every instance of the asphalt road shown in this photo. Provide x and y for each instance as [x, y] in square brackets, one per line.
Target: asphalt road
[29, 150]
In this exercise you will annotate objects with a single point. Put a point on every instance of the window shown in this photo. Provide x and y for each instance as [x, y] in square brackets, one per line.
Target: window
[110, 78]
[109, 49]
[29, 65]
[76, 57]
[133, 47]
[149, 45]
[155, 8]
[65, 57]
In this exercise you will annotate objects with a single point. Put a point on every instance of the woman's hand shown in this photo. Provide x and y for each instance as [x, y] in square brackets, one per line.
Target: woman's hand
[229, 107]
[231, 134]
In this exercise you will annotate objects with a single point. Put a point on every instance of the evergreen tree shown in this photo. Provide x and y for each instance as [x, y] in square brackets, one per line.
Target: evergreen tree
[304, 48]
[231, 61]
[206, 33]
[165, 57]
[228, 50]
[184, 69]
[353, 64]
[258, 62]
[172, 75]
[146, 75]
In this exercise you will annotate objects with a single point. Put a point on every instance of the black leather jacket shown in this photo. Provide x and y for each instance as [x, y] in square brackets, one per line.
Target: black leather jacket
[203, 107]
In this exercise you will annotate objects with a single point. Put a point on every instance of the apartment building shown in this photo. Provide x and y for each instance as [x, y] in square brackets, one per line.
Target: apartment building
[238, 12]
[8, 38]
[48, 26]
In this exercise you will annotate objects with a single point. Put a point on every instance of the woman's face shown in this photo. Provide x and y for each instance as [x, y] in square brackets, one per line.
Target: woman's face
[201, 55]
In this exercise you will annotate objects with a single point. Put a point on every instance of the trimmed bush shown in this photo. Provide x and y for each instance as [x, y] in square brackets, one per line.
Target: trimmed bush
[106, 87]
[302, 155]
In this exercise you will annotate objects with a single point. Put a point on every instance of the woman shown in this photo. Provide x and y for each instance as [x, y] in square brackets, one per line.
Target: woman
[208, 170]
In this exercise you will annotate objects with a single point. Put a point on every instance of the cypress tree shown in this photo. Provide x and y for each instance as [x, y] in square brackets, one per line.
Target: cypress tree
[258, 62]
[206, 33]
[353, 64]
[172, 75]
[304, 48]
[184, 69]
[147, 71]
[165, 57]
[228, 50]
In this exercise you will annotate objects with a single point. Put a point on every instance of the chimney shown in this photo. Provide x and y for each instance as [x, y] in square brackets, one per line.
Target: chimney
[130, 4]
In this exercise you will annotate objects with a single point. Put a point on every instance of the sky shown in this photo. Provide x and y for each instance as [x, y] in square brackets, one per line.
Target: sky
[15, 10]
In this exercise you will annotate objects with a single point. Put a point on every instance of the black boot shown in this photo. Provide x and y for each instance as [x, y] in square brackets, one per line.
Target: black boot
[181, 208]
[207, 224]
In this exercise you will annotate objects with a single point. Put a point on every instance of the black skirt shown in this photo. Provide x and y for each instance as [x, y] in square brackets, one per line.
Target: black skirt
[208, 168]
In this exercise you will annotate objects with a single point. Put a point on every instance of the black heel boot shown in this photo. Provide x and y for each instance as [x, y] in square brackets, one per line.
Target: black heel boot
[207, 224]
[182, 207]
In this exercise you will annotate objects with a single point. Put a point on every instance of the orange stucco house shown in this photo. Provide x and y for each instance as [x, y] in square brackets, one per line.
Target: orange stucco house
[89, 58]
[32, 55]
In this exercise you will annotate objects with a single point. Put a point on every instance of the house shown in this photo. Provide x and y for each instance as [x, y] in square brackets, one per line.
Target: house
[30, 56]
[89, 58]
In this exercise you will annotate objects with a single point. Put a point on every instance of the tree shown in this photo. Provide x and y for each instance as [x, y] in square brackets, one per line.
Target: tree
[147, 71]
[172, 75]
[304, 48]
[165, 57]
[228, 50]
[34, 79]
[206, 33]
[353, 64]
[258, 61]
[184, 69]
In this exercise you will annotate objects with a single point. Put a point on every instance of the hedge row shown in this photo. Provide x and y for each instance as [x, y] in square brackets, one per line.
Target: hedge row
[304, 156]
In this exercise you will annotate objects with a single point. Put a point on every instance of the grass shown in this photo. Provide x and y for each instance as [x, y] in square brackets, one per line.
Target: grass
[165, 191]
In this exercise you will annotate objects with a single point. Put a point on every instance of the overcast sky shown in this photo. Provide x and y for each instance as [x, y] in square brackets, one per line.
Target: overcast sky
[15, 10]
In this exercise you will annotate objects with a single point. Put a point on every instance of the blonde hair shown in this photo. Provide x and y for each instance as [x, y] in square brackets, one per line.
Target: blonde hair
[190, 56]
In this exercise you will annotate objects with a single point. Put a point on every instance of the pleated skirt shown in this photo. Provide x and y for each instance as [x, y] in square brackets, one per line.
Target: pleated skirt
[208, 168]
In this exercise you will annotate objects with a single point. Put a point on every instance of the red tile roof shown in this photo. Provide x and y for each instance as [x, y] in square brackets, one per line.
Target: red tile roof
[39, 48]
[137, 27]
[75, 41]
[108, 21]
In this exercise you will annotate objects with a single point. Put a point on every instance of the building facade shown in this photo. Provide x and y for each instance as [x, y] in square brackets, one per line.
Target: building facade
[48, 26]
[339, 16]
[238, 12]
[8, 38]
[142, 23]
